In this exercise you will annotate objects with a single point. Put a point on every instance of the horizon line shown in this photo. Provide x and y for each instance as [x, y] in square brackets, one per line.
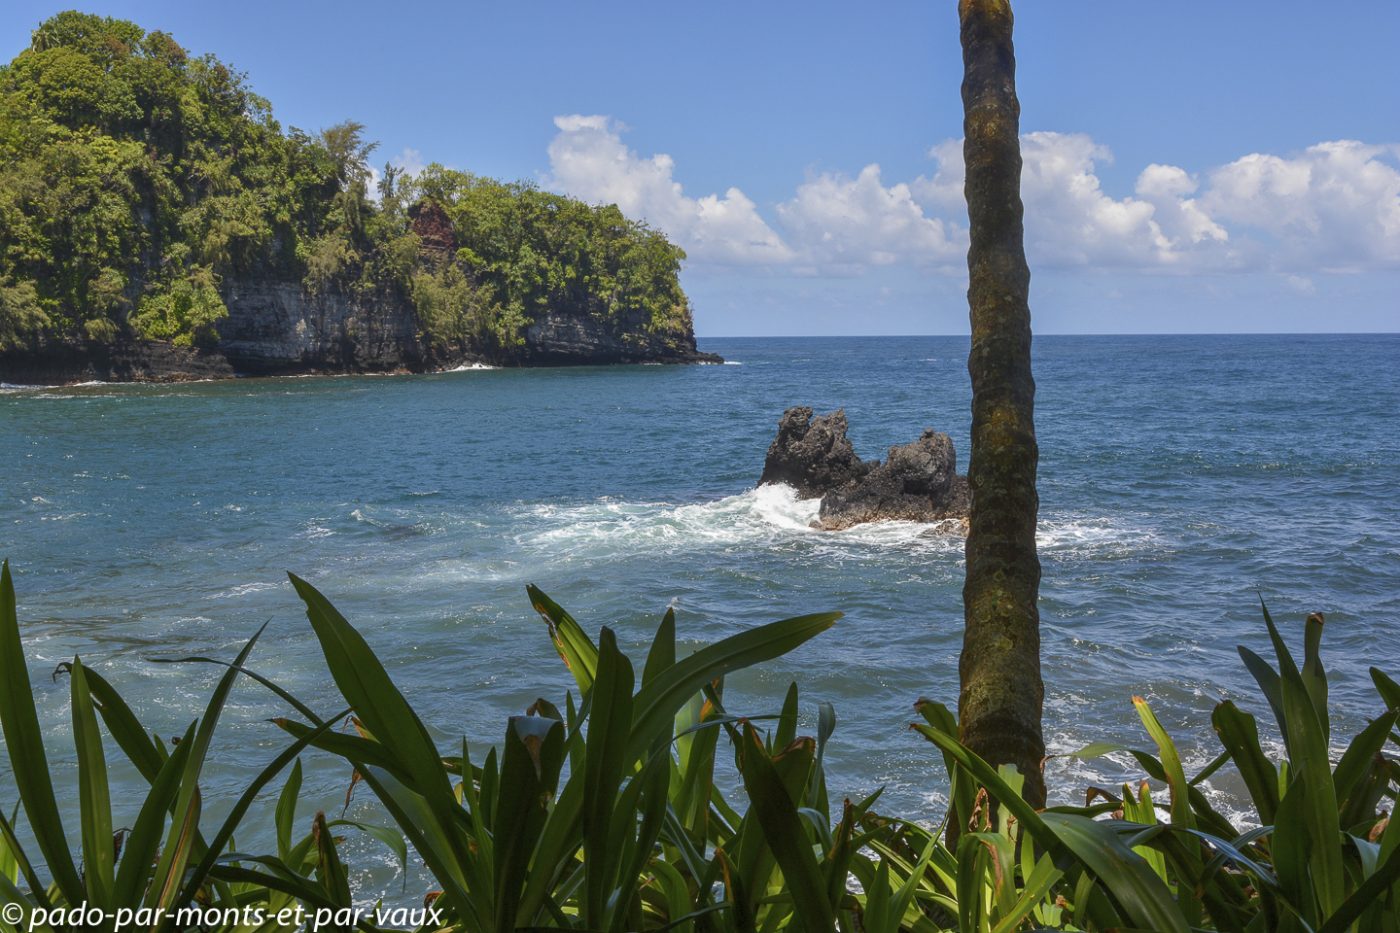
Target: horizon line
[1218, 333]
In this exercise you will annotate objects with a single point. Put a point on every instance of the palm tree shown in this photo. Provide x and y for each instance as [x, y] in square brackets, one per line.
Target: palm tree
[1001, 691]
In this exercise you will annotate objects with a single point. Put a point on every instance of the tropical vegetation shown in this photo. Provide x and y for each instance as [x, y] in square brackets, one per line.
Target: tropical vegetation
[614, 810]
[139, 182]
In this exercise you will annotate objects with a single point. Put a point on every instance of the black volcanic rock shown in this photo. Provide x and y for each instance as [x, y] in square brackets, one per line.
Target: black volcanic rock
[275, 328]
[910, 485]
[917, 482]
[812, 455]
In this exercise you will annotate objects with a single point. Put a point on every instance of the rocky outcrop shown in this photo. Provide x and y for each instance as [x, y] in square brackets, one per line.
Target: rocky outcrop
[60, 363]
[432, 226]
[917, 482]
[275, 328]
[561, 338]
[812, 455]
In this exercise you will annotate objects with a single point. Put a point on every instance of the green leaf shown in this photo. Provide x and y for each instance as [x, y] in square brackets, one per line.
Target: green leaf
[368, 688]
[286, 812]
[245, 801]
[530, 763]
[24, 743]
[1365, 895]
[663, 648]
[122, 723]
[656, 704]
[94, 797]
[330, 871]
[575, 648]
[1034, 890]
[1171, 764]
[1360, 756]
[143, 842]
[1239, 734]
[1387, 688]
[987, 776]
[1309, 757]
[1144, 899]
[605, 764]
[783, 829]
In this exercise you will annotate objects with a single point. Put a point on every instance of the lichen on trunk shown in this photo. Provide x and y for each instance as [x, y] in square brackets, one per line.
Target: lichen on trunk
[1001, 691]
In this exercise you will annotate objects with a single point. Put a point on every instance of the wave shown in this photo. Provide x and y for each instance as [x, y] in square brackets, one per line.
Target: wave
[469, 367]
[773, 516]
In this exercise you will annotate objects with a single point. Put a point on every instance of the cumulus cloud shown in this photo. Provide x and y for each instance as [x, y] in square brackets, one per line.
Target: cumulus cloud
[1333, 207]
[1072, 221]
[588, 159]
[845, 224]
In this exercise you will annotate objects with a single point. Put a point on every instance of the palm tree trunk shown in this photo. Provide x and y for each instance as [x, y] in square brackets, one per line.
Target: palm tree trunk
[999, 706]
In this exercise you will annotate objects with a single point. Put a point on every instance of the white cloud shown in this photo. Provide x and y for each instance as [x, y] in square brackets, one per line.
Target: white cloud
[1335, 206]
[588, 160]
[409, 159]
[846, 224]
[1071, 221]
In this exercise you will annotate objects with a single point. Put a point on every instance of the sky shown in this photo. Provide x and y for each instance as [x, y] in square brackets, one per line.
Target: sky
[1189, 166]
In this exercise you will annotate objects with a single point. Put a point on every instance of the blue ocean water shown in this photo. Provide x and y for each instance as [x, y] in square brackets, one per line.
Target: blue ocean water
[1181, 478]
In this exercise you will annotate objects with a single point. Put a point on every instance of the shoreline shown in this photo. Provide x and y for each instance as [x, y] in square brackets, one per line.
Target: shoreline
[159, 363]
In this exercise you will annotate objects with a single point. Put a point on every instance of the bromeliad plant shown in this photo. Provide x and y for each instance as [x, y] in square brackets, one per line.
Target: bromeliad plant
[612, 813]
[153, 871]
[1325, 855]
[605, 815]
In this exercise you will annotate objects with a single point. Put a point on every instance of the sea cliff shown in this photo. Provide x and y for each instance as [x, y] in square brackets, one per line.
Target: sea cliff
[274, 328]
[158, 223]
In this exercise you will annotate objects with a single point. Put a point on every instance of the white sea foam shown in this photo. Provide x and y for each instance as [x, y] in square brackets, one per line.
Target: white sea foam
[770, 516]
[245, 589]
[469, 367]
[773, 516]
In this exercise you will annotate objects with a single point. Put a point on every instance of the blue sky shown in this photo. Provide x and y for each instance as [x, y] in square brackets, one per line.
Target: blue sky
[1191, 166]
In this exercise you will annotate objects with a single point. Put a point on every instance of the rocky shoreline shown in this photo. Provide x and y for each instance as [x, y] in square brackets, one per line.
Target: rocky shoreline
[917, 482]
[274, 329]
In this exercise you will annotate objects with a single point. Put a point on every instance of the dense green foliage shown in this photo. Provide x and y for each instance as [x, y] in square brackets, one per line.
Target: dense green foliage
[611, 813]
[136, 179]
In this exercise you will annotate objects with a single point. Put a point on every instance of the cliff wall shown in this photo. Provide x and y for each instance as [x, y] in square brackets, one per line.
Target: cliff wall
[276, 328]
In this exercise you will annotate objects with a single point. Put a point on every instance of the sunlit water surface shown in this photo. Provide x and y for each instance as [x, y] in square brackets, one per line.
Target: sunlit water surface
[1180, 478]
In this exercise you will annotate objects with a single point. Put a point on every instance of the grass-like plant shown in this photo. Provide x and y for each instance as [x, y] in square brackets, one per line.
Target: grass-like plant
[150, 872]
[613, 812]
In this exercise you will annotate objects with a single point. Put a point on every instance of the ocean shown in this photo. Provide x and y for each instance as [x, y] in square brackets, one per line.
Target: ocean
[1181, 480]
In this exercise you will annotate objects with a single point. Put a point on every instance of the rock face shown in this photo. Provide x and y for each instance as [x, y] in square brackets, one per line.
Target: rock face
[434, 229]
[135, 361]
[274, 328]
[917, 481]
[813, 455]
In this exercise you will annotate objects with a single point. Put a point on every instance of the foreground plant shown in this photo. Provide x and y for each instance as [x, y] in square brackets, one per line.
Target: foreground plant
[1323, 856]
[618, 811]
[163, 872]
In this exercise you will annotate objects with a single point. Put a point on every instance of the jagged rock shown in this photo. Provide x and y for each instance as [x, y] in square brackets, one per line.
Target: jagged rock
[913, 484]
[812, 455]
[917, 482]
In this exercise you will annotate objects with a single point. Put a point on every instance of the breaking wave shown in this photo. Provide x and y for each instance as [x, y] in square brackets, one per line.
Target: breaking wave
[770, 516]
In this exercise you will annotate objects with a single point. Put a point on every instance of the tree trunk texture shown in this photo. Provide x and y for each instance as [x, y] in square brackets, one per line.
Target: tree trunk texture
[999, 704]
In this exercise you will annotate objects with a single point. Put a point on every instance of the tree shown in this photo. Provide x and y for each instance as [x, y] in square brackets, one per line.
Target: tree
[1001, 693]
[350, 152]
